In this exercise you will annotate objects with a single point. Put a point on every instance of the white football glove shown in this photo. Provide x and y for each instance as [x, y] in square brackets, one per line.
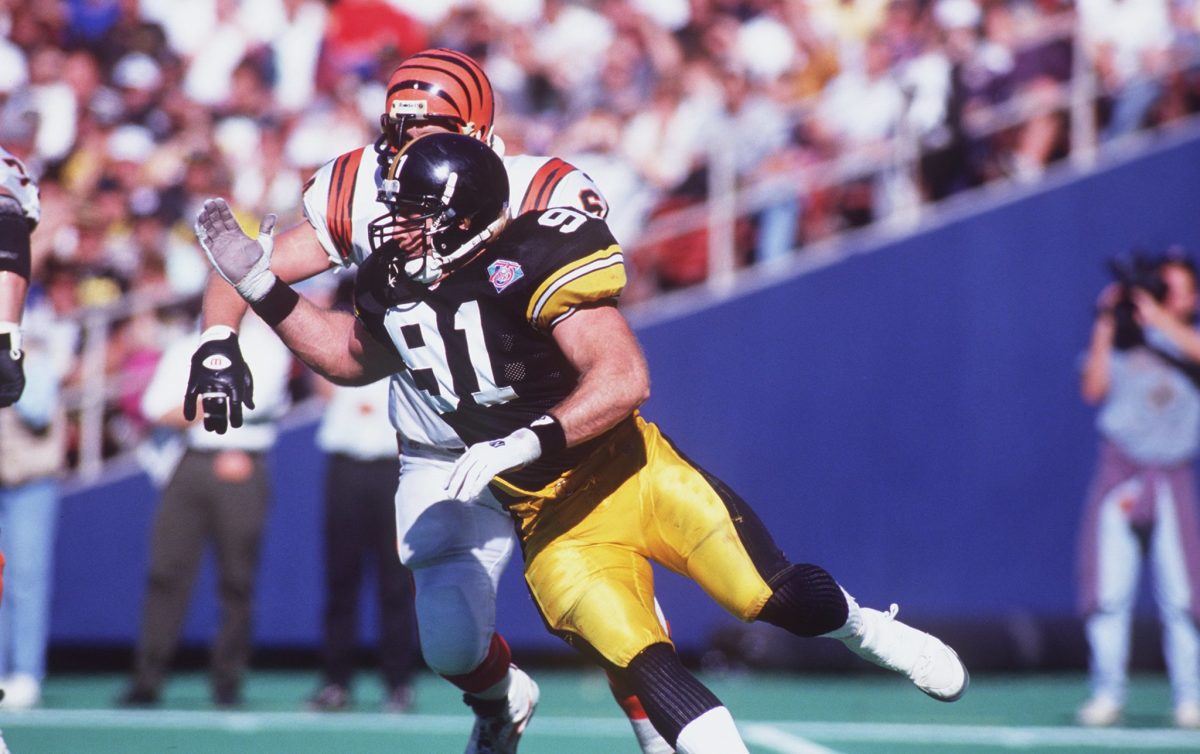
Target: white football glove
[244, 262]
[484, 460]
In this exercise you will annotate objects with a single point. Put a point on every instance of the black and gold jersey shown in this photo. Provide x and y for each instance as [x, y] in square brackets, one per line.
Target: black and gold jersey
[479, 344]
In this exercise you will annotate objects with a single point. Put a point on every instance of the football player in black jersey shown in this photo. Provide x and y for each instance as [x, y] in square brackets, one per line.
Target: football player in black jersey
[511, 331]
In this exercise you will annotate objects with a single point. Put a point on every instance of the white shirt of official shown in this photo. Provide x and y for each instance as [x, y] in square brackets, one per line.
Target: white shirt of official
[356, 424]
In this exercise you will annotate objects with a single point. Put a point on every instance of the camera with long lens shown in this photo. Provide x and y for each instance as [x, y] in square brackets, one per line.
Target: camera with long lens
[1138, 270]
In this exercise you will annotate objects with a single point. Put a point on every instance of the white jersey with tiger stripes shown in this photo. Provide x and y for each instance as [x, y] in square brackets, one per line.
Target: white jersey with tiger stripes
[340, 201]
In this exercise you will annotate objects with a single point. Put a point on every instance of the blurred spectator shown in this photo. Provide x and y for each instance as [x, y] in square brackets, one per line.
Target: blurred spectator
[212, 63]
[217, 495]
[850, 22]
[591, 144]
[569, 45]
[323, 132]
[755, 131]
[295, 52]
[665, 144]
[1128, 42]
[361, 32]
[54, 103]
[14, 67]
[860, 109]
[140, 81]
[33, 437]
[764, 48]
[1182, 89]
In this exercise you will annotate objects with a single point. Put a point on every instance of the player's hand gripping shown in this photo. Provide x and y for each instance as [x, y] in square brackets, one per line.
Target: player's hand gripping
[244, 262]
[12, 359]
[220, 379]
[484, 460]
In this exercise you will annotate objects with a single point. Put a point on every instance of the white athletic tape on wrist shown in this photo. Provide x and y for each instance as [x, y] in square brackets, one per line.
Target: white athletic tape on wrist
[217, 332]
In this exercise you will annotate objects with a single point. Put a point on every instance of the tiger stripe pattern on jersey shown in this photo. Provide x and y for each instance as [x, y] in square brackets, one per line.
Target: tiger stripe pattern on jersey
[541, 188]
[341, 201]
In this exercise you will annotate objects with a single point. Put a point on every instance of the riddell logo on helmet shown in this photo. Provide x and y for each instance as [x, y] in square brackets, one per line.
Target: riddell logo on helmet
[503, 273]
[217, 362]
[409, 107]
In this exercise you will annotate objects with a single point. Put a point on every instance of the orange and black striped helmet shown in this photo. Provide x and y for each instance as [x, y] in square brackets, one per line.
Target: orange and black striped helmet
[441, 86]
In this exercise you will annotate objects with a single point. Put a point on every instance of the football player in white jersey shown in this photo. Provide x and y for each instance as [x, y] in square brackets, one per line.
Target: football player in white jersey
[456, 551]
[19, 214]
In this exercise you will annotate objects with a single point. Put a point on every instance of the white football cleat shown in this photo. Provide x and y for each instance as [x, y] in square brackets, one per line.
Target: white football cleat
[1187, 715]
[927, 661]
[1100, 711]
[21, 691]
[499, 723]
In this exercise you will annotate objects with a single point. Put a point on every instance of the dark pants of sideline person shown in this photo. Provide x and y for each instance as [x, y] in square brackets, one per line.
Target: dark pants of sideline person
[360, 525]
[218, 498]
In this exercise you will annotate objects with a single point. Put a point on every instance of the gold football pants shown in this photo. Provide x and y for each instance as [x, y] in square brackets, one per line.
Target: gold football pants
[589, 539]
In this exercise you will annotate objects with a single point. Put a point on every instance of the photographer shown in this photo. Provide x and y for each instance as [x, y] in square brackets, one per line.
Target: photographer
[1140, 367]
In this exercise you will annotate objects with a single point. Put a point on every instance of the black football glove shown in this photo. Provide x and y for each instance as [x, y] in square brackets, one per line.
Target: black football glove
[12, 372]
[222, 382]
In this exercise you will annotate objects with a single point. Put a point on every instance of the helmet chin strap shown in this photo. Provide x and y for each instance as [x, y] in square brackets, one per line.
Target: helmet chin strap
[429, 268]
[496, 143]
[425, 269]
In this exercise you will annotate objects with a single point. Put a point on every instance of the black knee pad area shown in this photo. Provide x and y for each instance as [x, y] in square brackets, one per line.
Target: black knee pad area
[671, 696]
[807, 602]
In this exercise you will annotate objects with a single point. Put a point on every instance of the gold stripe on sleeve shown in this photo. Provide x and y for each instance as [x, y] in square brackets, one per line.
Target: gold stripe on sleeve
[596, 277]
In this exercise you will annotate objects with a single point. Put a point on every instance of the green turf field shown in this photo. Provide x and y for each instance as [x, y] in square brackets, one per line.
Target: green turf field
[779, 714]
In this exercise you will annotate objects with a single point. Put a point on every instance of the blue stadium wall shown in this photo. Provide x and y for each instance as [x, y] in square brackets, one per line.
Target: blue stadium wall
[908, 418]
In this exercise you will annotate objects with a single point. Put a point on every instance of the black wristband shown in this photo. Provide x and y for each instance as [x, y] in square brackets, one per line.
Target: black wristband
[277, 304]
[549, 433]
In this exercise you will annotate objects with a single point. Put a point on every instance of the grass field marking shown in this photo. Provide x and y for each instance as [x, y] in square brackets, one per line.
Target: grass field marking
[246, 722]
[771, 737]
[768, 733]
[254, 722]
[1122, 739]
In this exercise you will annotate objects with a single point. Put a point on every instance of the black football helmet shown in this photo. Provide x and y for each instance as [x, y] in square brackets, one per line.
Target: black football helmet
[446, 195]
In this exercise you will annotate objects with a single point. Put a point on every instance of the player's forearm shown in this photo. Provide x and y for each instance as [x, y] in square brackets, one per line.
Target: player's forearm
[613, 377]
[604, 397]
[222, 305]
[12, 296]
[322, 339]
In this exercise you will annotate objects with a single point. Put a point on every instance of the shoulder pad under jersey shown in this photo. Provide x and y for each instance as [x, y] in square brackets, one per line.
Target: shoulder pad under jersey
[339, 201]
[571, 259]
[16, 182]
[537, 183]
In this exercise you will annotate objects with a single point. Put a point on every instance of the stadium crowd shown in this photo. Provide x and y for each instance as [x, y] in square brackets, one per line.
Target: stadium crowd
[131, 112]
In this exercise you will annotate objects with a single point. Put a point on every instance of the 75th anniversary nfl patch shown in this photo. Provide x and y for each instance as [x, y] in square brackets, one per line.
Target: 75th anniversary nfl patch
[503, 273]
